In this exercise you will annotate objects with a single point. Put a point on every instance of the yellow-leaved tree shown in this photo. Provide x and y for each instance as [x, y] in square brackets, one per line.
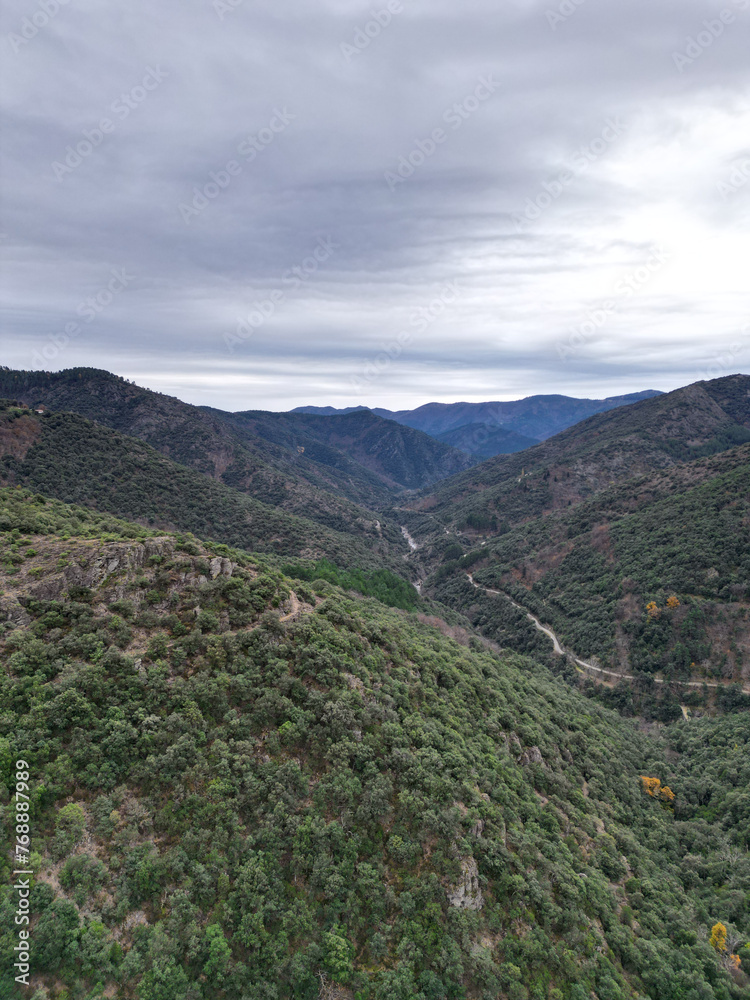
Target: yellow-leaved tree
[654, 788]
[718, 939]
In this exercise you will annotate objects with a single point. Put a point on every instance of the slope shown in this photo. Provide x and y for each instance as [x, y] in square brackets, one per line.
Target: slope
[485, 440]
[656, 433]
[648, 577]
[399, 456]
[279, 459]
[241, 787]
[74, 459]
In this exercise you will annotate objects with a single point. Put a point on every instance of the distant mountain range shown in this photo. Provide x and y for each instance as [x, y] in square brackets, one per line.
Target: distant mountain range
[485, 440]
[473, 427]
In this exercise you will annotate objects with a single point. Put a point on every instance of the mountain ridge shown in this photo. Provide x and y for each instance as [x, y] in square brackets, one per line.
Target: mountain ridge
[70, 457]
[266, 455]
[659, 432]
[630, 509]
[538, 417]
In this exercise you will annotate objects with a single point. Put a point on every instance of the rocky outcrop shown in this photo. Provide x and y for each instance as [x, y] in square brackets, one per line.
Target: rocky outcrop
[532, 755]
[91, 565]
[467, 894]
[221, 567]
[11, 611]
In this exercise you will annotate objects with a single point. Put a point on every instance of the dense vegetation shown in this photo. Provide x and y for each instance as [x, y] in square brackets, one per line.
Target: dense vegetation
[622, 538]
[78, 461]
[241, 792]
[386, 586]
[286, 776]
[661, 589]
[401, 457]
[293, 460]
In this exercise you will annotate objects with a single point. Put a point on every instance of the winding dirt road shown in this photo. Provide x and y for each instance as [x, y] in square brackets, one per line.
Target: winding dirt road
[582, 664]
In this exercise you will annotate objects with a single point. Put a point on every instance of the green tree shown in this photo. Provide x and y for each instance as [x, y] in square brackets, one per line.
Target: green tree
[219, 954]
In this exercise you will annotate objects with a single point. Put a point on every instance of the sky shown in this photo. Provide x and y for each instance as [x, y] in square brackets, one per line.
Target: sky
[264, 203]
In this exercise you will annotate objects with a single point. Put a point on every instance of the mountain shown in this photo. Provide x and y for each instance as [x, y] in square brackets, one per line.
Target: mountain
[656, 433]
[627, 535]
[244, 785]
[70, 457]
[485, 440]
[648, 579]
[536, 417]
[401, 457]
[280, 459]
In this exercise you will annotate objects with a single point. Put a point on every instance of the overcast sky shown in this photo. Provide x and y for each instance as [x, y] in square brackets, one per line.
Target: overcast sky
[265, 203]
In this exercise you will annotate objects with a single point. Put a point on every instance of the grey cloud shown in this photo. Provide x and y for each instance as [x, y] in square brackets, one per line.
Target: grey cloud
[324, 175]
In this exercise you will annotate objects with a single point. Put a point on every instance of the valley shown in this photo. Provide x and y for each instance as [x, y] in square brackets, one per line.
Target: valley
[582, 664]
[315, 702]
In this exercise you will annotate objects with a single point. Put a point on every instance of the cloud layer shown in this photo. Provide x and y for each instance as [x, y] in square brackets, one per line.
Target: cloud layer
[257, 204]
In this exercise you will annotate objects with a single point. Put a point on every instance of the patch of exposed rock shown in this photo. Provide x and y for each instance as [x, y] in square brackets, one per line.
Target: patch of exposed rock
[11, 611]
[532, 755]
[93, 564]
[467, 894]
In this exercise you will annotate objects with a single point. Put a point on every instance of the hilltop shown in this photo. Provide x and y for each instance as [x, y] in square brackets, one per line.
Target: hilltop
[246, 785]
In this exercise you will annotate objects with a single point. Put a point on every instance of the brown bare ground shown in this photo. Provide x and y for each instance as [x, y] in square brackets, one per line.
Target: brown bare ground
[17, 436]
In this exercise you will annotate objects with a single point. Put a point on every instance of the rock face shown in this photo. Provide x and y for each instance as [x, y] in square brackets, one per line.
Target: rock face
[221, 567]
[531, 756]
[88, 564]
[90, 567]
[467, 895]
[11, 611]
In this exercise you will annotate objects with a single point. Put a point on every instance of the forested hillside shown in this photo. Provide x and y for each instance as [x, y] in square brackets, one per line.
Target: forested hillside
[282, 459]
[486, 440]
[621, 537]
[401, 457]
[72, 458]
[658, 433]
[650, 578]
[245, 785]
